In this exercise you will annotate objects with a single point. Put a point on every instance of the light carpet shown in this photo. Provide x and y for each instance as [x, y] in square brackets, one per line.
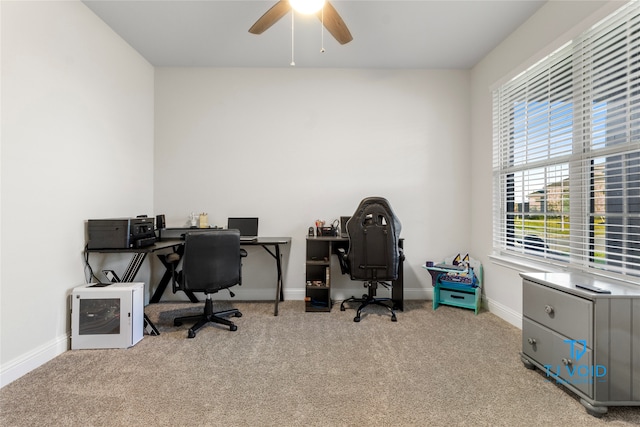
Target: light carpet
[431, 368]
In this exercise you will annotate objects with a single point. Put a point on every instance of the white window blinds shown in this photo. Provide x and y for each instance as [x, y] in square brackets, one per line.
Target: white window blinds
[566, 162]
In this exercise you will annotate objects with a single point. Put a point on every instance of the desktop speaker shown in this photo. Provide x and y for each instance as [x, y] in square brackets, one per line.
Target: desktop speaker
[160, 223]
[327, 231]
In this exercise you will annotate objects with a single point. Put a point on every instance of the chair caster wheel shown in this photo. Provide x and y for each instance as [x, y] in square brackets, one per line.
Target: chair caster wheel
[394, 318]
[237, 314]
[191, 334]
[342, 308]
[356, 319]
[177, 323]
[233, 328]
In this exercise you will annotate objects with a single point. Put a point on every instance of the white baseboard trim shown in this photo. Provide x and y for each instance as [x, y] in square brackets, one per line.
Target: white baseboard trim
[294, 294]
[418, 293]
[26, 363]
[299, 294]
[409, 294]
[505, 313]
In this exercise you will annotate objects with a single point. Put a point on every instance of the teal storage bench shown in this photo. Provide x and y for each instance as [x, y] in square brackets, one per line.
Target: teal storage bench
[457, 282]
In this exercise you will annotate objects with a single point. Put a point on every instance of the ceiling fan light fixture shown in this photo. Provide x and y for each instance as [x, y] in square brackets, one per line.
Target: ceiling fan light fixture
[306, 6]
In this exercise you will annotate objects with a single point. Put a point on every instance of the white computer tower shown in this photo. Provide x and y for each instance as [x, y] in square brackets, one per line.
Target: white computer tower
[107, 316]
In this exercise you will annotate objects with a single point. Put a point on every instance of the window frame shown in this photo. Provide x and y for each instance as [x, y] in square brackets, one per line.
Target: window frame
[512, 162]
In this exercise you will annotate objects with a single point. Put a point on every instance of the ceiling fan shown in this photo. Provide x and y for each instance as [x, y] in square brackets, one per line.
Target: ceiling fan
[327, 14]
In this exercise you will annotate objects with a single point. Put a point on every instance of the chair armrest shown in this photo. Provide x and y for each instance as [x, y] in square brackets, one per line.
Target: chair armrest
[174, 259]
[343, 260]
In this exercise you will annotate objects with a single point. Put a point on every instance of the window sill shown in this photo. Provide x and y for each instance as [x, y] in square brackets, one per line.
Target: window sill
[521, 265]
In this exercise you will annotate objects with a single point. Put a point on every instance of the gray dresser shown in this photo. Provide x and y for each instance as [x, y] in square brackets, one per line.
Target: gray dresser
[584, 333]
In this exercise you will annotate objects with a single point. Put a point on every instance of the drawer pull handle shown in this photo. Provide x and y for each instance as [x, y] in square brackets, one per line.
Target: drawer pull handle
[567, 362]
[531, 341]
[548, 309]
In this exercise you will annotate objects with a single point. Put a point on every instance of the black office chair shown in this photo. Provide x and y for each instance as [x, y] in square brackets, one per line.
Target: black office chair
[374, 254]
[211, 261]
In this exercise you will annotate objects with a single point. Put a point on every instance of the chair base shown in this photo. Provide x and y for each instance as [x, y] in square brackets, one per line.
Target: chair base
[209, 316]
[370, 300]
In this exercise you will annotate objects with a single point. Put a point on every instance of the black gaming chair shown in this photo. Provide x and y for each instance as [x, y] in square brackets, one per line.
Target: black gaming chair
[211, 262]
[374, 252]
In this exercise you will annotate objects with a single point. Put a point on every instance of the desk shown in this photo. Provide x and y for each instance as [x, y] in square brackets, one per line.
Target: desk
[275, 242]
[318, 270]
[139, 255]
[269, 244]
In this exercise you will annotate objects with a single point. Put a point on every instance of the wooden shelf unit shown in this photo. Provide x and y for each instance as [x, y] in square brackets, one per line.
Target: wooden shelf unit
[318, 275]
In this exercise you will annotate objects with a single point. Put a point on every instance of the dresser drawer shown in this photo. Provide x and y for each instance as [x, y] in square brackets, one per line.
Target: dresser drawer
[564, 313]
[563, 360]
[537, 342]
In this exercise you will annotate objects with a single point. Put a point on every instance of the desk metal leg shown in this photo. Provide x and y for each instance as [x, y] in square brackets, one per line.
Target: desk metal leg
[129, 276]
[279, 287]
[133, 267]
[397, 289]
[162, 285]
[280, 283]
[150, 327]
[166, 278]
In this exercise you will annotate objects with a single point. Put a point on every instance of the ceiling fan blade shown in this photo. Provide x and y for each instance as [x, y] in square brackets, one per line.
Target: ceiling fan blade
[334, 23]
[270, 17]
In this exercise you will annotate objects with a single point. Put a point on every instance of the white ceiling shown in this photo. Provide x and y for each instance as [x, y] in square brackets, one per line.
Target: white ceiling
[449, 34]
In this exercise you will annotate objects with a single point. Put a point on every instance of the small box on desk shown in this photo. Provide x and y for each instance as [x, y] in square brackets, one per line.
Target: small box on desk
[107, 315]
[326, 231]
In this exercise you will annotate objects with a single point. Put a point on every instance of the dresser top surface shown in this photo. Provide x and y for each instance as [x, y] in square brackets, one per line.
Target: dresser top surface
[571, 282]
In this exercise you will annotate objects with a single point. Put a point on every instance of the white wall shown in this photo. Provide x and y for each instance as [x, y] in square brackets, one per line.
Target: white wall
[553, 25]
[312, 144]
[77, 143]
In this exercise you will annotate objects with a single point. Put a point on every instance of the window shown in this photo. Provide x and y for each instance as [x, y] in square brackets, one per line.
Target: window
[566, 164]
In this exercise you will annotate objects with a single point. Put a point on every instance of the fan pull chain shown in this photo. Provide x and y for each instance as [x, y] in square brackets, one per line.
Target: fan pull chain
[293, 63]
[322, 32]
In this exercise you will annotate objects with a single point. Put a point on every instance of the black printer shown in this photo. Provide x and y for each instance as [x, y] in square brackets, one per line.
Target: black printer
[121, 233]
